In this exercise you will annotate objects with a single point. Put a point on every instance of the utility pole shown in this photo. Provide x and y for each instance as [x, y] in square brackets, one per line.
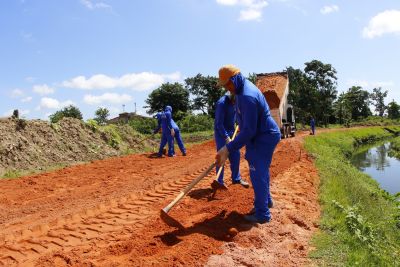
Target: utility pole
[123, 108]
[135, 107]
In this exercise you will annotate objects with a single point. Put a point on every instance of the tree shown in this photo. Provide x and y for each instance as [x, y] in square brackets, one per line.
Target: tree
[342, 109]
[323, 78]
[302, 95]
[15, 114]
[378, 100]
[393, 110]
[102, 115]
[205, 92]
[70, 111]
[358, 102]
[169, 94]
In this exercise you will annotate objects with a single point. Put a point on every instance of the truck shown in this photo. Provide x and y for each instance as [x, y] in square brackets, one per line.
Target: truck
[275, 88]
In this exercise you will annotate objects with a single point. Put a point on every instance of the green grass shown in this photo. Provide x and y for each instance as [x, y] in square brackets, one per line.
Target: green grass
[13, 174]
[360, 223]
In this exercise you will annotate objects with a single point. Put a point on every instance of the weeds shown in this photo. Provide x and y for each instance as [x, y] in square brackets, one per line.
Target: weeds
[11, 174]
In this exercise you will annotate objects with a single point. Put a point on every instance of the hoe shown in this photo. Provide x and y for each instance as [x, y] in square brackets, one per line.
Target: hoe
[164, 212]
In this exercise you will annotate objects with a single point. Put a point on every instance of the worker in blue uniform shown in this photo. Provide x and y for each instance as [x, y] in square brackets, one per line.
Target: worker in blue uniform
[258, 132]
[175, 132]
[312, 125]
[224, 127]
[166, 136]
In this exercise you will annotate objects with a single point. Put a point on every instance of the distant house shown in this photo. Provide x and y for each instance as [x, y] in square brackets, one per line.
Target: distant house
[125, 117]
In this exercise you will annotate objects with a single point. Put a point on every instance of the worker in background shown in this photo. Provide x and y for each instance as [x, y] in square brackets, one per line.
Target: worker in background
[166, 136]
[258, 132]
[174, 130]
[312, 125]
[224, 127]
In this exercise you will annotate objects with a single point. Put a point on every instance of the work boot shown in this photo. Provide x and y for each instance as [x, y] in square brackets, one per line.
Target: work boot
[253, 210]
[242, 183]
[254, 219]
[270, 204]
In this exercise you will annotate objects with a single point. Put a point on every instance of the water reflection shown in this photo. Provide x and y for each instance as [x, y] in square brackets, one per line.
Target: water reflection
[378, 163]
[376, 157]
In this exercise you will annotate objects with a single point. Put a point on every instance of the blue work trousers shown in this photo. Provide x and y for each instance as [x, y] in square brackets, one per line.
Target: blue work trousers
[179, 141]
[259, 163]
[234, 160]
[166, 138]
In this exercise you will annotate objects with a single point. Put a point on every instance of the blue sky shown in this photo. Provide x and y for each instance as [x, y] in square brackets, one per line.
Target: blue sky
[109, 53]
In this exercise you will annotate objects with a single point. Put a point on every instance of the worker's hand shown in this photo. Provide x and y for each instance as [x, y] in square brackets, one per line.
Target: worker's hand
[172, 132]
[228, 140]
[221, 156]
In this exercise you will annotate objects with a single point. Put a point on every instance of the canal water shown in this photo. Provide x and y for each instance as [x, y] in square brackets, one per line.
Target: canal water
[377, 163]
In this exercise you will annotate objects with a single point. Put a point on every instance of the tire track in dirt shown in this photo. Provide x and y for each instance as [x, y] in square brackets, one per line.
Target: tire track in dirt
[122, 217]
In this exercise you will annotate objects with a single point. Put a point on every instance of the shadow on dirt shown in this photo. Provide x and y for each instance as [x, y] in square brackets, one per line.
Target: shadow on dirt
[217, 227]
[203, 193]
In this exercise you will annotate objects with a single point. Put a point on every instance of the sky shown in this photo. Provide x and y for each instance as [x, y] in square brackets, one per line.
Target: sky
[113, 53]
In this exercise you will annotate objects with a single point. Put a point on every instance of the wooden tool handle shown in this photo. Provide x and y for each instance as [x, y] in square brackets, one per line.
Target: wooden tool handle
[188, 188]
[233, 137]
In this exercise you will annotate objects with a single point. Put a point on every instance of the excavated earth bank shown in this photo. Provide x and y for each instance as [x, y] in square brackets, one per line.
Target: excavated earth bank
[106, 213]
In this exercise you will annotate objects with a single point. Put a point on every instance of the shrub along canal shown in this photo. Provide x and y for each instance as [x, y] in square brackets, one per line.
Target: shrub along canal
[380, 162]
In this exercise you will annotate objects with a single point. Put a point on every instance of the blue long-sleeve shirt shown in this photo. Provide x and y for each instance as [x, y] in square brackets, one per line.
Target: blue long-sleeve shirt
[163, 122]
[224, 123]
[253, 115]
[170, 122]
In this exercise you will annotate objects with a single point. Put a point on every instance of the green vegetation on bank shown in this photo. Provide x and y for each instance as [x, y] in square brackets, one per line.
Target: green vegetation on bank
[360, 223]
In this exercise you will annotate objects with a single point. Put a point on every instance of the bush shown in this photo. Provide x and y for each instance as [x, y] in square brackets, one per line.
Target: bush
[196, 123]
[143, 125]
[92, 125]
[70, 112]
[111, 134]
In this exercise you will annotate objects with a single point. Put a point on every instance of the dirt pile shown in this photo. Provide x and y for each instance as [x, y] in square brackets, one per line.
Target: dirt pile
[36, 144]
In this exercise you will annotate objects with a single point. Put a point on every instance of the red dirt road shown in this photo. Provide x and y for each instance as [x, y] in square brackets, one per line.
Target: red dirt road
[106, 213]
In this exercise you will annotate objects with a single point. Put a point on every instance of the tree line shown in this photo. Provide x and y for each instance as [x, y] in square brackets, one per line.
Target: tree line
[312, 91]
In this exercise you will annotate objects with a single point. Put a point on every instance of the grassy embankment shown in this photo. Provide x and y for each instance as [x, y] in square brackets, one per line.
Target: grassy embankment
[123, 138]
[360, 223]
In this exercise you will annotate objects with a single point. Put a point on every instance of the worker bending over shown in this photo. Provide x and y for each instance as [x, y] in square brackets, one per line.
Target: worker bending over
[174, 130]
[224, 127]
[166, 136]
[258, 132]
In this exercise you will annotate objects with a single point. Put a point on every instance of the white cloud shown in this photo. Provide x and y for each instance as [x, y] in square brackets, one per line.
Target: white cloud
[26, 99]
[136, 81]
[250, 14]
[43, 89]
[251, 9]
[329, 9]
[370, 84]
[17, 93]
[30, 79]
[107, 98]
[384, 23]
[51, 103]
[94, 5]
